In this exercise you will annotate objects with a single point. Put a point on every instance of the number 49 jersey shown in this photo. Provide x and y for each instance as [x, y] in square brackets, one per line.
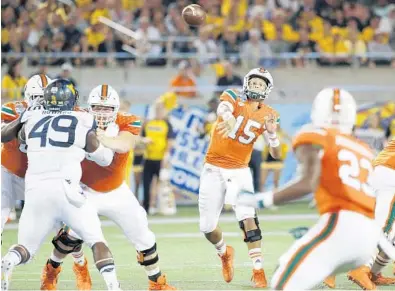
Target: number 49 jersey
[56, 143]
[234, 152]
[346, 166]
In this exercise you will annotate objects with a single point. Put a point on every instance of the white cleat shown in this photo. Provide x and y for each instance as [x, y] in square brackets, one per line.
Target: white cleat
[6, 271]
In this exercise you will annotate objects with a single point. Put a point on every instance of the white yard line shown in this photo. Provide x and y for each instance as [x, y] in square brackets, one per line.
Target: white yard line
[225, 218]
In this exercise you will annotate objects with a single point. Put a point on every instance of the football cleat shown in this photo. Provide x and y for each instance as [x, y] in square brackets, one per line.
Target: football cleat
[6, 272]
[259, 278]
[330, 282]
[82, 276]
[160, 284]
[380, 280]
[227, 264]
[49, 277]
[362, 277]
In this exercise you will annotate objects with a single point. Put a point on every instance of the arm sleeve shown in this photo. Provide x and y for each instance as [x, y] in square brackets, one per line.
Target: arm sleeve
[102, 156]
[130, 123]
[8, 112]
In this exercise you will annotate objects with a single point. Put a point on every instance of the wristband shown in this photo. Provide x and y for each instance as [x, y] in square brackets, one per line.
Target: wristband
[271, 139]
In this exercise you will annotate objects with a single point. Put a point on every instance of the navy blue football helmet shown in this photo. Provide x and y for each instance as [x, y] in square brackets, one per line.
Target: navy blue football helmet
[60, 95]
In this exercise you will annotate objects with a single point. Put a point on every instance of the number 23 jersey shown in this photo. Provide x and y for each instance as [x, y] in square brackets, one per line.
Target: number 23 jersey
[346, 166]
[234, 151]
[56, 143]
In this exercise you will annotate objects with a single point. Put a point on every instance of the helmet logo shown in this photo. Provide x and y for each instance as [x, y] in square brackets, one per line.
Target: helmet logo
[53, 99]
[104, 92]
[336, 100]
[71, 87]
[262, 70]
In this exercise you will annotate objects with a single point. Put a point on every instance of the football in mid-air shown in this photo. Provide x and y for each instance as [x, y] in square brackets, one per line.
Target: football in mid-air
[194, 15]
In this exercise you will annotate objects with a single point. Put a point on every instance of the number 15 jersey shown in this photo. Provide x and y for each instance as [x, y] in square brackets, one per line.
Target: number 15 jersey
[234, 151]
[346, 166]
[56, 143]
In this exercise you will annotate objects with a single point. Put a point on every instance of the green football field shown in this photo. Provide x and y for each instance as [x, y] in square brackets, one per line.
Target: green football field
[189, 261]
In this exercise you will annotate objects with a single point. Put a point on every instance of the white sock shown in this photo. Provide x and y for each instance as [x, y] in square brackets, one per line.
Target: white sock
[379, 263]
[79, 258]
[152, 272]
[220, 247]
[110, 277]
[55, 258]
[256, 257]
[13, 257]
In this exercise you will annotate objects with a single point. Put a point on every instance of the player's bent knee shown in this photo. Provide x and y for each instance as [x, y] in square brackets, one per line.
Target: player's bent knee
[253, 234]
[66, 244]
[207, 226]
[148, 257]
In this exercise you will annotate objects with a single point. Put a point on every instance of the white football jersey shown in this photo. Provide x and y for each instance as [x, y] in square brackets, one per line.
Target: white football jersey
[56, 143]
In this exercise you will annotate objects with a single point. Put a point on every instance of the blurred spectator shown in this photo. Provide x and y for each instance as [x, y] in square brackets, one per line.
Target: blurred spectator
[66, 70]
[275, 166]
[13, 82]
[182, 84]
[356, 47]
[71, 32]
[148, 37]
[302, 47]
[159, 137]
[381, 8]
[379, 45]
[279, 33]
[42, 26]
[333, 48]
[255, 50]
[372, 133]
[229, 79]
[207, 49]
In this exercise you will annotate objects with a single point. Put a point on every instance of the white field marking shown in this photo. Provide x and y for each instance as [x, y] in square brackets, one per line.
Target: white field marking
[198, 234]
[185, 220]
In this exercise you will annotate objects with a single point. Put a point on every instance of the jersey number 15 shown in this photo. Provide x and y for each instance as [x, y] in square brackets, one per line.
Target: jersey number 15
[248, 135]
[40, 130]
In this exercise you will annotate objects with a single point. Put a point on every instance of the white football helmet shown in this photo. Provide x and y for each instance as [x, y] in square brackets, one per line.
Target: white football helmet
[253, 93]
[334, 107]
[104, 104]
[35, 87]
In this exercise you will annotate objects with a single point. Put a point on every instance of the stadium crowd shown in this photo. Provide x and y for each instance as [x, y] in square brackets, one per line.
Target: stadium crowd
[251, 31]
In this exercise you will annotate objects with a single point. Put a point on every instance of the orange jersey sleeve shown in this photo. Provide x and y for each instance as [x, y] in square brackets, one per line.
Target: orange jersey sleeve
[386, 157]
[11, 157]
[129, 123]
[11, 110]
[106, 179]
[230, 96]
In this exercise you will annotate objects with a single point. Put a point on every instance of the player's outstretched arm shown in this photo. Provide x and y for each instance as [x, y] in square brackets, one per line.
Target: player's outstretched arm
[97, 152]
[10, 130]
[124, 142]
[309, 172]
[225, 111]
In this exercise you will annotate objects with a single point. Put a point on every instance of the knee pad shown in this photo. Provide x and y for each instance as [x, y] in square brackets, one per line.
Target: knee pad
[148, 257]
[251, 235]
[66, 244]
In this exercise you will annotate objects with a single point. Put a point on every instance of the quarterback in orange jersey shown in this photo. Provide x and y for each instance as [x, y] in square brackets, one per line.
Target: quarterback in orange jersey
[336, 167]
[383, 182]
[241, 120]
[106, 189]
[13, 160]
